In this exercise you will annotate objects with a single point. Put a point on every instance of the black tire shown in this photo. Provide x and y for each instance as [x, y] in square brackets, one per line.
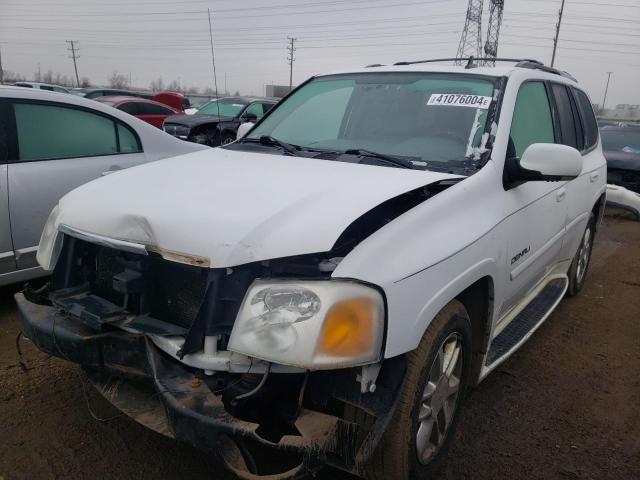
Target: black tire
[227, 138]
[397, 456]
[579, 269]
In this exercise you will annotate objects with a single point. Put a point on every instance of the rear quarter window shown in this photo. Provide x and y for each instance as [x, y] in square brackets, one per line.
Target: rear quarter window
[589, 122]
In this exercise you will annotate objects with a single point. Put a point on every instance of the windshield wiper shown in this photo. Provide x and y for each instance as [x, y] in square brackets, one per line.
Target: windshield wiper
[273, 142]
[399, 161]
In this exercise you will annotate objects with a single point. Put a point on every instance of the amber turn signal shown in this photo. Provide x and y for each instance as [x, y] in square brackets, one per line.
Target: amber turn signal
[349, 328]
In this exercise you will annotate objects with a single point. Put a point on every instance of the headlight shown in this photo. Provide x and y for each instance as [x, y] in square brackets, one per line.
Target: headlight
[50, 245]
[310, 324]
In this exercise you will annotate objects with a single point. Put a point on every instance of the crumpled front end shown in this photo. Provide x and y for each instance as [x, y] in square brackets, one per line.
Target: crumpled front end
[152, 335]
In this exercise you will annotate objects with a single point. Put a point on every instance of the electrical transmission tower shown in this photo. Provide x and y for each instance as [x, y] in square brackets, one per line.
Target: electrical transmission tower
[75, 56]
[471, 39]
[493, 32]
[290, 58]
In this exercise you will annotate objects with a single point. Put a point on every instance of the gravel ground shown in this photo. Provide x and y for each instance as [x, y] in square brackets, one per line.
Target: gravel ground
[565, 406]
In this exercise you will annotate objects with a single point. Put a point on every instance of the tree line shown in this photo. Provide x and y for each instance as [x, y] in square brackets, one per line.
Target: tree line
[115, 80]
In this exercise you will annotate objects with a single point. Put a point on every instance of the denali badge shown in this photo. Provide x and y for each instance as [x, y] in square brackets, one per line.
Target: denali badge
[520, 255]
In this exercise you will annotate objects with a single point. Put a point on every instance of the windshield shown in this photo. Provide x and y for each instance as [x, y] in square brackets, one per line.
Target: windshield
[627, 140]
[430, 116]
[229, 107]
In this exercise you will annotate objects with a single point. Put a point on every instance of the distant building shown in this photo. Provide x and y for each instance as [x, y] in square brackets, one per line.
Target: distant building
[277, 91]
[622, 112]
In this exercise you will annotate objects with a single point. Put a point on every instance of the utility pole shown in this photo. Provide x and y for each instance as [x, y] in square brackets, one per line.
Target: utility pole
[74, 50]
[290, 58]
[606, 89]
[555, 40]
[39, 73]
[1, 71]
[213, 60]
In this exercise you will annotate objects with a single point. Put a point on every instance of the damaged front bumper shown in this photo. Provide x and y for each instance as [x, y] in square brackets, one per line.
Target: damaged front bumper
[623, 198]
[289, 425]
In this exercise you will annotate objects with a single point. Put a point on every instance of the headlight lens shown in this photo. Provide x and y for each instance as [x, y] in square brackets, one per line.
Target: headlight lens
[310, 324]
[50, 245]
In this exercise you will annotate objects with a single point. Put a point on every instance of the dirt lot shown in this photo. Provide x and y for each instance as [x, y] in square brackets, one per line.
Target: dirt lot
[566, 406]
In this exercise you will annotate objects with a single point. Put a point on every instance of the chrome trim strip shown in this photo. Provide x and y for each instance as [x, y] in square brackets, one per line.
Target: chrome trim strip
[104, 241]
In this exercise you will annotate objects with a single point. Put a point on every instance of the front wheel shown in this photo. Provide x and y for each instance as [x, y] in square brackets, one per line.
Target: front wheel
[580, 264]
[227, 138]
[418, 437]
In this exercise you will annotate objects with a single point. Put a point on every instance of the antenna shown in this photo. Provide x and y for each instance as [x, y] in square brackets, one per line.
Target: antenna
[213, 62]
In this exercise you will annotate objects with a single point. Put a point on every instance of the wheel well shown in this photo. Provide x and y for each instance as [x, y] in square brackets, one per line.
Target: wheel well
[478, 301]
[598, 209]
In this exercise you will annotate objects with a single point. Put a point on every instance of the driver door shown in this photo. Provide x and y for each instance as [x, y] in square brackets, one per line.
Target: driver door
[536, 226]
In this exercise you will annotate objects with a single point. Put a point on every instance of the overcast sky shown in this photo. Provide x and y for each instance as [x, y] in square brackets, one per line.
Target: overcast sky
[170, 38]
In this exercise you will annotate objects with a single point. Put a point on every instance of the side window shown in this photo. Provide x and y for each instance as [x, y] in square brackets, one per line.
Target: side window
[48, 131]
[255, 108]
[532, 121]
[131, 108]
[589, 122]
[151, 109]
[60, 90]
[128, 141]
[46, 87]
[266, 107]
[565, 115]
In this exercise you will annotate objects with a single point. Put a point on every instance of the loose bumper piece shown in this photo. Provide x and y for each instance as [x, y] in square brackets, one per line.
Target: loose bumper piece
[173, 399]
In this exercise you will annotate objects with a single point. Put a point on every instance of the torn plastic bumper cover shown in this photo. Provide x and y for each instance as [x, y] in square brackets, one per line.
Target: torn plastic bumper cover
[333, 423]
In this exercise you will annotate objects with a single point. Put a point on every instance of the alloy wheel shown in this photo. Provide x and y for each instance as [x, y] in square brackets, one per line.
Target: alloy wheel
[439, 398]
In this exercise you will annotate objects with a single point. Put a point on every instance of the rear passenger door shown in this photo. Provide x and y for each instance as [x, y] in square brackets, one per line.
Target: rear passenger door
[58, 147]
[574, 110]
[7, 260]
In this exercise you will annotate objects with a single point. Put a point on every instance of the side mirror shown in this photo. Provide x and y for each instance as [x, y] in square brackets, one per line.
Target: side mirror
[243, 129]
[546, 162]
[249, 117]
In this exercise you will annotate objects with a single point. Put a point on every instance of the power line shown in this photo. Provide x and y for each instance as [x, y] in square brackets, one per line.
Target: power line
[73, 51]
[199, 12]
[223, 10]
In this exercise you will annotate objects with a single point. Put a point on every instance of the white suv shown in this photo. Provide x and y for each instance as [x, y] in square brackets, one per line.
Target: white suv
[325, 289]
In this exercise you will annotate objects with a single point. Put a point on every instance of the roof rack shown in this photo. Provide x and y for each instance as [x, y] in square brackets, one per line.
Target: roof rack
[519, 62]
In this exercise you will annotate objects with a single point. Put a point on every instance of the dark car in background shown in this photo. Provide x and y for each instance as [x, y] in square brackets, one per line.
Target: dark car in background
[621, 145]
[217, 122]
[149, 111]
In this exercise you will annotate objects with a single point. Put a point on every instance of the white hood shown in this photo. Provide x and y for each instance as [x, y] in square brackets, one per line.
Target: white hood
[231, 207]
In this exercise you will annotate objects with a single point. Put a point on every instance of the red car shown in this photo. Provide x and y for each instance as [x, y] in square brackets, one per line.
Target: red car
[147, 110]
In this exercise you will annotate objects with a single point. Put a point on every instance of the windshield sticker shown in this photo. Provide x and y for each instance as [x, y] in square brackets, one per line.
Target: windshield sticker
[460, 100]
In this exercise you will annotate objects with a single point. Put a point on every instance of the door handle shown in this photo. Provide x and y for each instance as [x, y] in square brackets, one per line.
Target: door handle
[113, 169]
[594, 176]
[561, 194]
